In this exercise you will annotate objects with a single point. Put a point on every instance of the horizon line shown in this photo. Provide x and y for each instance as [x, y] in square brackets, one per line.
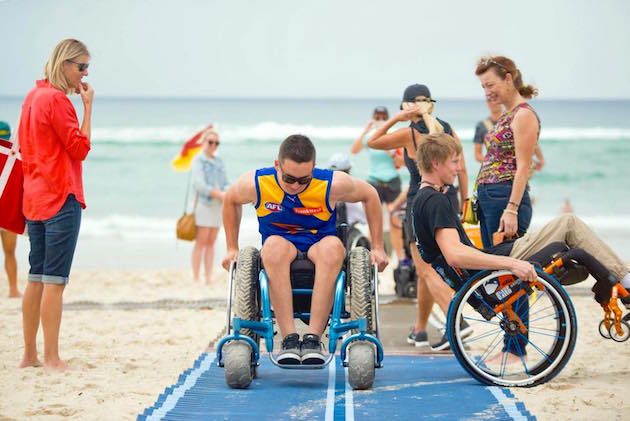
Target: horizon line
[323, 98]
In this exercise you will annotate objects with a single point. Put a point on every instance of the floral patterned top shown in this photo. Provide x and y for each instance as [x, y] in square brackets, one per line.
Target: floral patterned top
[499, 165]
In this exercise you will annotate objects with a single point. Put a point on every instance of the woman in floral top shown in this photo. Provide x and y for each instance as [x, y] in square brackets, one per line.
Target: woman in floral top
[503, 197]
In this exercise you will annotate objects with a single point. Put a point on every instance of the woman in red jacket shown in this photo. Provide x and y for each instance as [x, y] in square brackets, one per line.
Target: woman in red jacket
[53, 146]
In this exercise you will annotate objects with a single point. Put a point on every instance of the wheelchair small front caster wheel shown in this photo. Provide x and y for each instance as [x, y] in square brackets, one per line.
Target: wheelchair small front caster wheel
[625, 332]
[603, 331]
[237, 361]
[361, 365]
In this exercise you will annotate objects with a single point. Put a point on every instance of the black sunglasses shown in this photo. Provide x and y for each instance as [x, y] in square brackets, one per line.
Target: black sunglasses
[289, 179]
[82, 66]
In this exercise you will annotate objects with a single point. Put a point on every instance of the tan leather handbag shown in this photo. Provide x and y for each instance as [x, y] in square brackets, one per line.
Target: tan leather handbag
[186, 228]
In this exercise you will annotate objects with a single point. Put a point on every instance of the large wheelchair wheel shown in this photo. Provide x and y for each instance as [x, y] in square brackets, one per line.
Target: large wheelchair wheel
[361, 290]
[238, 356]
[515, 342]
[361, 354]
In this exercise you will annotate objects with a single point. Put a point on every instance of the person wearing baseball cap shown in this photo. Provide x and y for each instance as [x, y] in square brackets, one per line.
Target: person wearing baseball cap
[417, 107]
[9, 239]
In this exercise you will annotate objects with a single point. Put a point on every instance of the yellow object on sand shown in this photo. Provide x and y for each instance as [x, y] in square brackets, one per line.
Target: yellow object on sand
[474, 233]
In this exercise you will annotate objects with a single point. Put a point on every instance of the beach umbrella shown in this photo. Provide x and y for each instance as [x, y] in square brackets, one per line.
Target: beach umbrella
[191, 147]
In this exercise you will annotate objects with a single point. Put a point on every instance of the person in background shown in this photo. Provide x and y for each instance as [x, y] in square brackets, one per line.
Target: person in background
[503, 203]
[209, 183]
[9, 239]
[483, 126]
[502, 191]
[53, 147]
[417, 108]
[355, 213]
[383, 175]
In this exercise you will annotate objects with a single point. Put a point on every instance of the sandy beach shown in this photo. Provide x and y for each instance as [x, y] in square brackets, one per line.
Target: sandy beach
[129, 334]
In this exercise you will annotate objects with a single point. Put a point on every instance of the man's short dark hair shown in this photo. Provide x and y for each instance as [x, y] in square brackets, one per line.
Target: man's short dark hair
[297, 148]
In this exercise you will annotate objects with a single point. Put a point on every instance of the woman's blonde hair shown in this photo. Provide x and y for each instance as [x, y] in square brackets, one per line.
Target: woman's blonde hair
[66, 50]
[207, 134]
[435, 147]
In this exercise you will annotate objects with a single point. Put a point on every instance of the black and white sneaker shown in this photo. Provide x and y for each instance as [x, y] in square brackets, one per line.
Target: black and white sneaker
[312, 350]
[418, 338]
[290, 352]
[442, 344]
[465, 330]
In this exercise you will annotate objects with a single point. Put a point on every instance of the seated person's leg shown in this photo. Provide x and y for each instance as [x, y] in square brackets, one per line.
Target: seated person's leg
[327, 255]
[277, 253]
[419, 335]
[576, 234]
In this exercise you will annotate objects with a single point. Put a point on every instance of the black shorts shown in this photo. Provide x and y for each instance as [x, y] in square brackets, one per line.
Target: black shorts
[387, 191]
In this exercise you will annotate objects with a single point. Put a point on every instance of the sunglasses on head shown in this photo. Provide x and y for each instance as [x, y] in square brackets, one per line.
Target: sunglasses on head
[82, 66]
[490, 62]
[289, 179]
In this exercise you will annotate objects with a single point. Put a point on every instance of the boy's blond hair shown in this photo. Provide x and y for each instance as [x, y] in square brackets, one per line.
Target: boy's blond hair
[435, 147]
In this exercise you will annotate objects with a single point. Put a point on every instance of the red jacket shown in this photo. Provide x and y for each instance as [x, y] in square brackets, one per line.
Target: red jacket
[52, 147]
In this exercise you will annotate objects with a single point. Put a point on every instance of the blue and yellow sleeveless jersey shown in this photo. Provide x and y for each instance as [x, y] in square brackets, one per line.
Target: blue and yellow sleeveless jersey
[303, 219]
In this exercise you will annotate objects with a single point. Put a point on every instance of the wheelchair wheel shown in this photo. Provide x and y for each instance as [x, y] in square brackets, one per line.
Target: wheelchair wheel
[603, 331]
[502, 352]
[246, 280]
[361, 367]
[361, 291]
[237, 360]
[625, 332]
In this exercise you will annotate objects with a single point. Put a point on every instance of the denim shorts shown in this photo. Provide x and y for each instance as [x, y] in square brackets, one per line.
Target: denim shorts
[53, 242]
[492, 199]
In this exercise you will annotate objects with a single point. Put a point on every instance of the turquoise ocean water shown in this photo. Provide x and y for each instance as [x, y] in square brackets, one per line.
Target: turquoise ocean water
[134, 197]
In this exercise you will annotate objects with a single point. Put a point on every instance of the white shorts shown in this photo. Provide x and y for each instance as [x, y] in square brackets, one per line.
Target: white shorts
[209, 215]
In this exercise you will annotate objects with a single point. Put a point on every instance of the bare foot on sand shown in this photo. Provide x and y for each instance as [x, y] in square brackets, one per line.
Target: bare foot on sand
[15, 294]
[506, 358]
[30, 362]
[58, 366]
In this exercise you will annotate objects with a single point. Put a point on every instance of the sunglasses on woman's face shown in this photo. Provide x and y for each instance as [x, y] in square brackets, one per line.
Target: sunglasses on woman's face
[82, 66]
[289, 179]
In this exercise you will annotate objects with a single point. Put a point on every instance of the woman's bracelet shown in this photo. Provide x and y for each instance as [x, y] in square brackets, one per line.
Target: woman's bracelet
[513, 212]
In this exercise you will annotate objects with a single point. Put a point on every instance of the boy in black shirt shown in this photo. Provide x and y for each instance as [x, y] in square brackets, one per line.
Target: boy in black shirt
[442, 241]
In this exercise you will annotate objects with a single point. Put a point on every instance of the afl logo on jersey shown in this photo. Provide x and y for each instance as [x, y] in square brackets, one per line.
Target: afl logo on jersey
[273, 207]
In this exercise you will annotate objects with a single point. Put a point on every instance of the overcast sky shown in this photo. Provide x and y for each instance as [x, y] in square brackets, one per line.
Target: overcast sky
[336, 48]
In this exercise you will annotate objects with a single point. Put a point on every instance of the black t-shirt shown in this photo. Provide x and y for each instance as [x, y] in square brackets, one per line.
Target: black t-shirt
[430, 211]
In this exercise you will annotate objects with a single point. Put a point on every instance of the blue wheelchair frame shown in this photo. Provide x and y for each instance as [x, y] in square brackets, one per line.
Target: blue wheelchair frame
[337, 328]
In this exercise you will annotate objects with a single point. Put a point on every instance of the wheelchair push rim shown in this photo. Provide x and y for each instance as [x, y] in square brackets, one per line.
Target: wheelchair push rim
[533, 357]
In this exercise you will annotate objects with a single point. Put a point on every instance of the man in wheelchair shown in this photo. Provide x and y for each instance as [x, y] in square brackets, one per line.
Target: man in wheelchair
[442, 241]
[295, 206]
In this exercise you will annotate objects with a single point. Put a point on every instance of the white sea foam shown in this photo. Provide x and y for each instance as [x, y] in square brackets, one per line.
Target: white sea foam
[135, 227]
[131, 227]
[273, 131]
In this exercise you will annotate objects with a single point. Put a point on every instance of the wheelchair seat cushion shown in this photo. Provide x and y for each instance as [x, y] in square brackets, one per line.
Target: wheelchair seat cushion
[302, 272]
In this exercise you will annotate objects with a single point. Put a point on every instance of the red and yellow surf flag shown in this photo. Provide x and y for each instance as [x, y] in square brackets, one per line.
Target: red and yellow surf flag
[191, 148]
